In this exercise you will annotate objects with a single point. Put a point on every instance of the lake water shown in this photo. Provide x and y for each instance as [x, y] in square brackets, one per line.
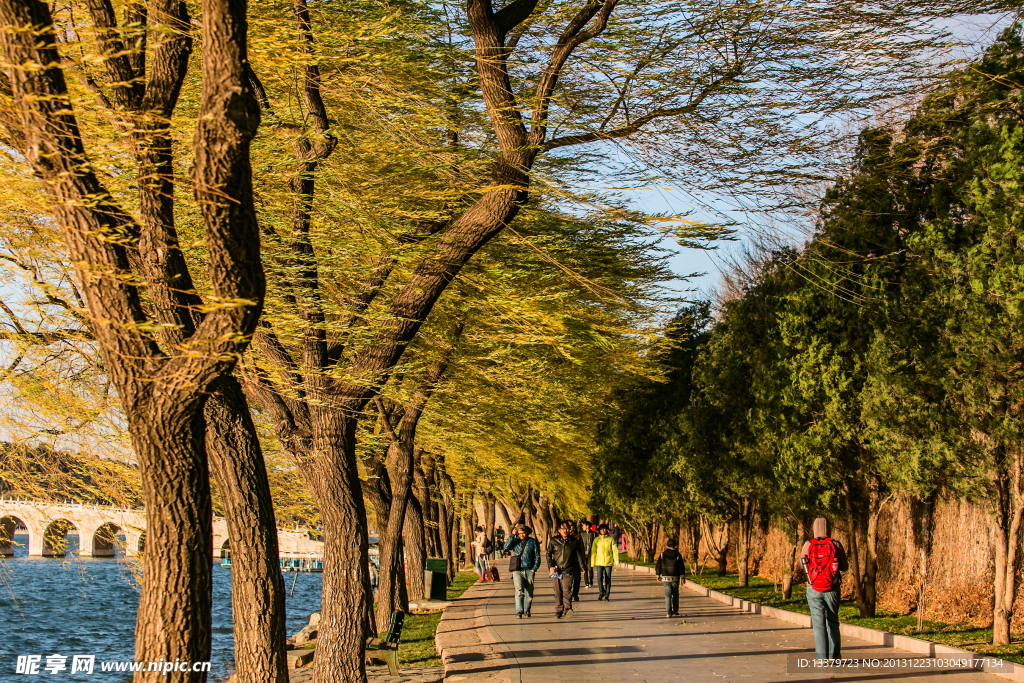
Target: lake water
[87, 606]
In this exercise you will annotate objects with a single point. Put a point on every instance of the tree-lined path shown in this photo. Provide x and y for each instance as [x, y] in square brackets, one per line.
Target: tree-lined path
[629, 640]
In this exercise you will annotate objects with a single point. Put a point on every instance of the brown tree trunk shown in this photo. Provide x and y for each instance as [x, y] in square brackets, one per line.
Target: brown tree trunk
[446, 512]
[853, 534]
[746, 526]
[693, 526]
[542, 523]
[467, 530]
[390, 546]
[863, 531]
[505, 516]
[723, 549]
[1009, 509]
[489, 505]
[414, 540]
[923, 514]
[257, 588]
[793, 539]
[174, 607]
[345, 606]
[426, 491]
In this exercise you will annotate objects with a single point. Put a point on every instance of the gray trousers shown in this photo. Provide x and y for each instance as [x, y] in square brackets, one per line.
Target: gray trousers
[671, 596]
[825, 622]
[523, 581]
[563, 592]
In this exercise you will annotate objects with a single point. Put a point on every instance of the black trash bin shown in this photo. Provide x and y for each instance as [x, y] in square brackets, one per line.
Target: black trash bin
[436, 578]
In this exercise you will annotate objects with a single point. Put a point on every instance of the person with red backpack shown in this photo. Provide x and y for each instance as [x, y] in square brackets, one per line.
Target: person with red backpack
[824, 560]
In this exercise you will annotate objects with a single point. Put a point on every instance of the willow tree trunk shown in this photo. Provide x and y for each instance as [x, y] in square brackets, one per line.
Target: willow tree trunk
[345, 604]
[390, 556]
[414, 540]
[448, 531]
[693, 526]
[448, 539]
[723, 549]
[746, 526]
[489, 512]
[505, 516]
[257, 587]
[789, 560]
[467, 531]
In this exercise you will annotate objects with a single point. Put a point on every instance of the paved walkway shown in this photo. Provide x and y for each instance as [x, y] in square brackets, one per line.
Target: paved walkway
[629, 640]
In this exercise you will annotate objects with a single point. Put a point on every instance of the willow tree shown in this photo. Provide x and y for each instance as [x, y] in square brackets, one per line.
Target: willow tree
[162, 390]
[660, 79]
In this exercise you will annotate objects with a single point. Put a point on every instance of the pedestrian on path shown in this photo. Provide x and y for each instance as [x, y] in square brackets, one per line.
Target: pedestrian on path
[577, 574]
[824, 560]
[565, 557]
[587, 535]
[523, 565]
[603, 556]
[482, 547]
[670, 568]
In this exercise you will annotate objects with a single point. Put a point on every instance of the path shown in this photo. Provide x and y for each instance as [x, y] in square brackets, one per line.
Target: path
[629, 640]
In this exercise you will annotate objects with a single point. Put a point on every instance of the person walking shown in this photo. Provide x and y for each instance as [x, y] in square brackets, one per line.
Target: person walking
[824, 560]
[587, 535]
[481, 546]
[604, 554]
[565, 557]
[577, 574]
[523, 565]
[670, 568]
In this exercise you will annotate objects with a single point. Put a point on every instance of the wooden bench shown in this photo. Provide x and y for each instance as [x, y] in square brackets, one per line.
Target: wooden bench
[386, 647]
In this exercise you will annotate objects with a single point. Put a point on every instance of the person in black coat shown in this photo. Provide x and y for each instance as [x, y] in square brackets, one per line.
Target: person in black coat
[670, 569]
[587, 535]
[565, 559]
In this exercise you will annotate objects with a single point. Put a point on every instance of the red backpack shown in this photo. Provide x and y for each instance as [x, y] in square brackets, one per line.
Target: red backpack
[822, 564]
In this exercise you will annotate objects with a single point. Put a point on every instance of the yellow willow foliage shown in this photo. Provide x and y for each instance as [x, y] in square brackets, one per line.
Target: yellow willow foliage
[556, 315]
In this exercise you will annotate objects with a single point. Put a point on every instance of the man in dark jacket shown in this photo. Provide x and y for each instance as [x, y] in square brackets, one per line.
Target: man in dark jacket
[670, 569]
[565, 558]
[587, 535]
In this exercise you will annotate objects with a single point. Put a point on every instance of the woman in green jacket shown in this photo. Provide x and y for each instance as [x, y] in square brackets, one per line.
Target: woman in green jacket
[603, 556]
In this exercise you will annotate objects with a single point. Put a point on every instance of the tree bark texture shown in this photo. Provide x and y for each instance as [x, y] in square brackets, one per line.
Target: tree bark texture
[448, 528]
[401, 462]
[489, 514]
[922, 512]
[746, 526]
[414, 540]
[693, 527]
[1009, 510]
[257, 587]
[863, 509]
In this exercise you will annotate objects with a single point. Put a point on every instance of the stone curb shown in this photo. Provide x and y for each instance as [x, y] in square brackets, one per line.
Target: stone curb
[468, 649]
[986, 663]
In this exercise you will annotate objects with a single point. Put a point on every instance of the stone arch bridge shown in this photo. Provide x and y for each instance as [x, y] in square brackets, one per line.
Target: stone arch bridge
[105, 531]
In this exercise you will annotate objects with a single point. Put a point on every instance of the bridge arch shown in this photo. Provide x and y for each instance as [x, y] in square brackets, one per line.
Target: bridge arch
[109, 540]
[9, 526]
[57, 538]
